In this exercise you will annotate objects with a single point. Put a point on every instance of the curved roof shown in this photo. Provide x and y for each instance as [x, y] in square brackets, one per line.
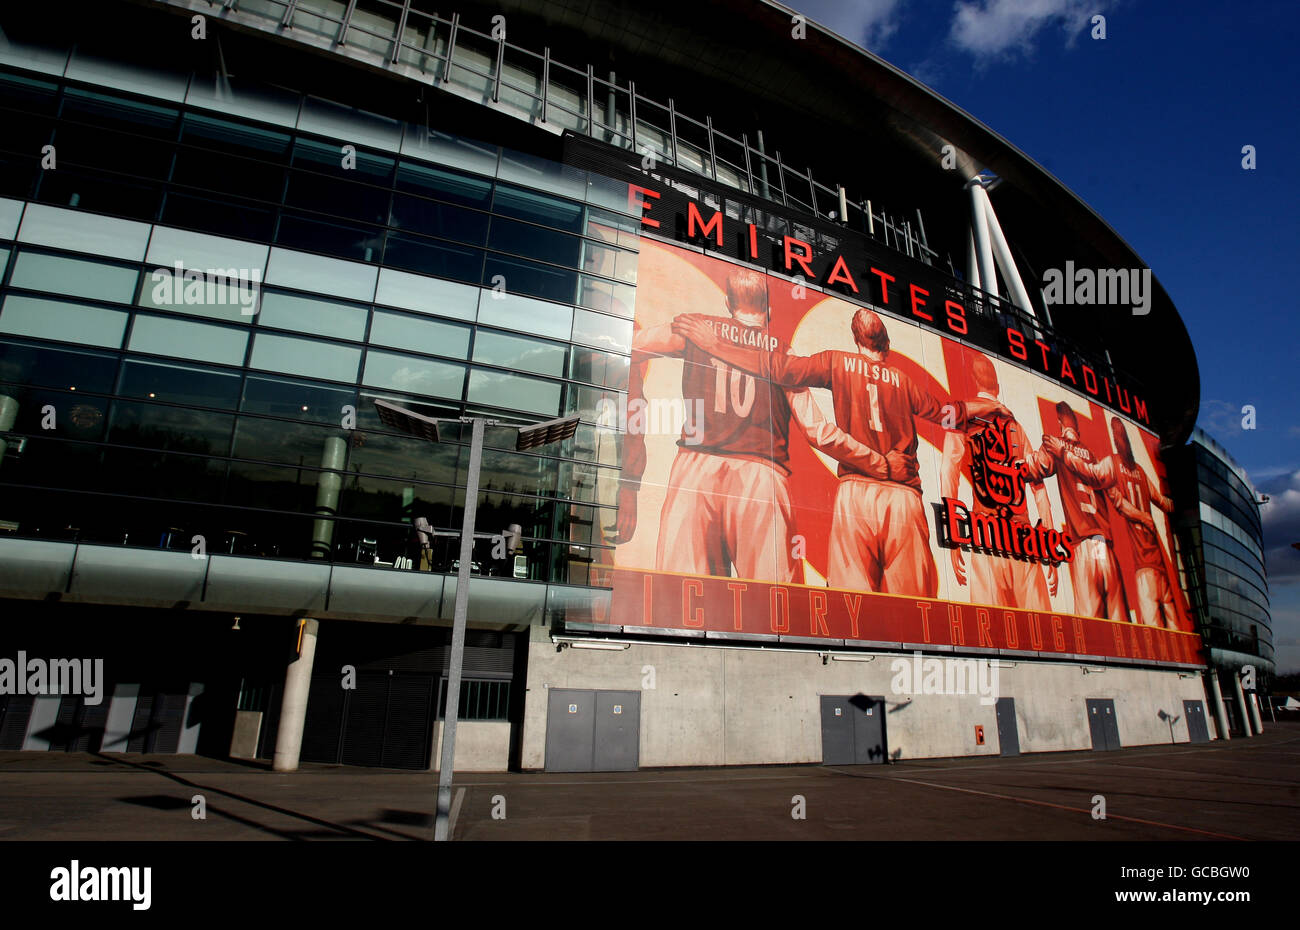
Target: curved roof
[744, 48]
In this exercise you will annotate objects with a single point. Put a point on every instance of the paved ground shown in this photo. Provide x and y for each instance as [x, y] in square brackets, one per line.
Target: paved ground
[1247, 789]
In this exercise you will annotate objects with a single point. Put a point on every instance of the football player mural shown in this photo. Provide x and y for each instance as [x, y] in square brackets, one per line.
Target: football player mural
[832, 471]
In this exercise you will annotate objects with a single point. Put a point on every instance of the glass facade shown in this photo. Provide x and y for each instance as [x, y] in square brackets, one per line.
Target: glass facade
[1219, 527]
[198, 312]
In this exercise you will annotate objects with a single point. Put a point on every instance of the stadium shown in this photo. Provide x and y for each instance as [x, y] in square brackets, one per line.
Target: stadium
[873, 459]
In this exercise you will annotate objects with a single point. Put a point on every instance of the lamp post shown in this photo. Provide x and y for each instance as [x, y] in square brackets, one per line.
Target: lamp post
[427, 428]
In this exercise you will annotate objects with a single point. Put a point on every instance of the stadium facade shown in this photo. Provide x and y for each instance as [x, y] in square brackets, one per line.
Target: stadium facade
[872, 454]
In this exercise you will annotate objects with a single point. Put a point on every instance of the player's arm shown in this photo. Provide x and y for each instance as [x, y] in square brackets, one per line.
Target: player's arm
[656, 341]
[1153, 491]
[1097, 475]
[954, 452]
[824, 435]
[1039, 464]
[1127, 510]
[780, 368]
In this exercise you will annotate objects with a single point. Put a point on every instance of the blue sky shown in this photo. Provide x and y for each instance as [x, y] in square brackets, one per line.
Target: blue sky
[1147, 126]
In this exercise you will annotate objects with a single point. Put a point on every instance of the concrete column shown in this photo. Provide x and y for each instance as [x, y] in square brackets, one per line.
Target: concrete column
[1241, 705]
[1253, 702]
[121, 711]
[1216, 702]
[328, 485]
[293, 708]
[8, 414]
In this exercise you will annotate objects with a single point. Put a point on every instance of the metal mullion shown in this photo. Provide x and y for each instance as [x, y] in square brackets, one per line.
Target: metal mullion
[672, 129]
[401, 31]
[496, 80]
[749, 170]
[288, 14]
[546, 78]
[347, 21]
[591, 102]
[631, 110]
[713, 155]
[451, 47]
[780, 176]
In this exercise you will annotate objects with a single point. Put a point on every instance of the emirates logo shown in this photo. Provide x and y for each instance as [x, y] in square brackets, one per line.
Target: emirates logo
[995, 474]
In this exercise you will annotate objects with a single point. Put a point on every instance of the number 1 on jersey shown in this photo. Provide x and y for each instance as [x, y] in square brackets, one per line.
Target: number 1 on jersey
[873, 391]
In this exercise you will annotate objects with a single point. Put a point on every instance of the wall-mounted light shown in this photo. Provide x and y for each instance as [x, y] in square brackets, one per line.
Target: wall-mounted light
[1092, 669]
[853, 658]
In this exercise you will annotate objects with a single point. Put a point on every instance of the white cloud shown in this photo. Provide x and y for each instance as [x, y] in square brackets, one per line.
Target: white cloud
[1281, 519]
[868, 23]
[994, 28]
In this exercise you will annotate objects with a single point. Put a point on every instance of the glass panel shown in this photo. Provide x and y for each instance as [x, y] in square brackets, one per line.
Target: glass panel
[62, 322]
[101, 192]
[606, 332]
[537, 208]
[112, 112]
[290, 443]
[610, 262]
[333, 237]
[601, 368]
[222, 215]
[543, 173]
[430, 145]
[522, 277]
[60, 368]
[453, 187]
[533, 242]
[180, 384]
[74, 277]
[160, 335]
[427, 256]
[419, 334]
[215, 168]
[307, 315]
[524, 314]
[542, 358]
[305, 357]
[349, 280]
[156, 426]
[438, 219]
[414, 375]
[282, 397]
[513, 472]
[205, 253]
[598, 294]
[211, 297]
[11, 212]
[514, 392]
[83, 232]
[358, 127]
[427, 295]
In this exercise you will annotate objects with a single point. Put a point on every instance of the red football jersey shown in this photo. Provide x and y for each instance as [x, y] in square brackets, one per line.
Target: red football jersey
[1135, 487]
[1086, 511]
[742, 414]
[875, 403]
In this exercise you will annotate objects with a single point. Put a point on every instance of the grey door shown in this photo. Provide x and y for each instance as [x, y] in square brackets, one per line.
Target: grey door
[592, 731]
[1102, 724]
[837, 730]
[853, 730]
[1008, 732]
[570, 730]
[1197, 729]
[618, 731]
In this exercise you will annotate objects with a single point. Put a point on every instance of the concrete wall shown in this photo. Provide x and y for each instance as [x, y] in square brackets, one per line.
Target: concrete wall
[481, 746]
[719, 706]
